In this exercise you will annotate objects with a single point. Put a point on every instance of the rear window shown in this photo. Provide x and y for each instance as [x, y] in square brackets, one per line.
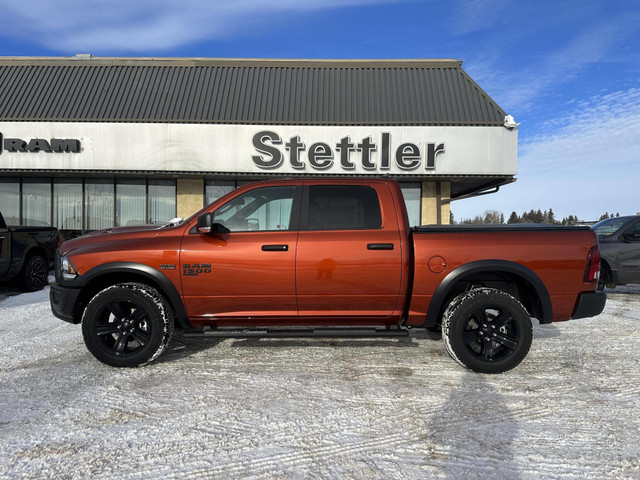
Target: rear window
[343, 207]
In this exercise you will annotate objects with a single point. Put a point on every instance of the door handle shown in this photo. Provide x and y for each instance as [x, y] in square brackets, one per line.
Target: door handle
[275, 248]
[380, 246]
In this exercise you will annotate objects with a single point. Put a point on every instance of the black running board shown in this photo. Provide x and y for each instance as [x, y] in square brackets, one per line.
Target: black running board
[350, 332]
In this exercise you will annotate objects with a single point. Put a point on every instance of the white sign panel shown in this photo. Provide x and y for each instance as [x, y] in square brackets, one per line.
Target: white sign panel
[333, 150]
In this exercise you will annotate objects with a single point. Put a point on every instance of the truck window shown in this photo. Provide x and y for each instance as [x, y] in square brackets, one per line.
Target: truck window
[262, 209]
[343, 207]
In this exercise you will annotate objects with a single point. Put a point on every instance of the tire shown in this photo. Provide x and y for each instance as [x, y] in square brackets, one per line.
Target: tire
[36, 274]
[487, 330]
[605, 276]
[127, 325]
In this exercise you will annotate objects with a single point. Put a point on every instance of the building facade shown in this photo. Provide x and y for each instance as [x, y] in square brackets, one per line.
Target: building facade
[89, 143]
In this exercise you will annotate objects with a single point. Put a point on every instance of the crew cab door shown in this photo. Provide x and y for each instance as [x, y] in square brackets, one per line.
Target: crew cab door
[349, 261]
[5, 250]
[5, 247]
[249, 271]
[629, 254]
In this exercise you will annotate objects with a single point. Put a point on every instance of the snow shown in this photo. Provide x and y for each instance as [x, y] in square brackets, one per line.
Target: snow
[313, 408]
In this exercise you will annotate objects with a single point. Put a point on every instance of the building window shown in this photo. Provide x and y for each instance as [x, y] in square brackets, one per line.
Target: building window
[67, 203]
[161, 201]
[412, 198]
[99, 204]
[214, 189]
[36, 201]
[10, 200]
[131, 196]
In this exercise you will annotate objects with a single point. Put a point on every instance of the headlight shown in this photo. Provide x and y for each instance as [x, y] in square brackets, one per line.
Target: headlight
[67, 269]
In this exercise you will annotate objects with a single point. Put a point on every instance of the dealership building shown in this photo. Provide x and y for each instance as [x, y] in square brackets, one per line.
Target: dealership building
[89, 143]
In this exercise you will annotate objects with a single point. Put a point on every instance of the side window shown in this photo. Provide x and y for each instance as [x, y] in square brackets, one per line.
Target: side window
[262, 209]
[633, 233]
[343, 207]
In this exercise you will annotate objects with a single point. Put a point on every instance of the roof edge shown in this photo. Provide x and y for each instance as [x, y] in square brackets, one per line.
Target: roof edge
[89, 60]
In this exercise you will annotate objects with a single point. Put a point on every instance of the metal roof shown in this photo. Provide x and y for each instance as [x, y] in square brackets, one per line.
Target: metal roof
[243, 91]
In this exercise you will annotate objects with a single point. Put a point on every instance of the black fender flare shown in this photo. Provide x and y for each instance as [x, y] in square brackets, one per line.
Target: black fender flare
[437, 306]
[167, 286]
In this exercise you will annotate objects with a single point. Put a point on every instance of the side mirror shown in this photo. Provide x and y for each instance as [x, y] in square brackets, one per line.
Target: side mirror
[631, 237]
[205, 225]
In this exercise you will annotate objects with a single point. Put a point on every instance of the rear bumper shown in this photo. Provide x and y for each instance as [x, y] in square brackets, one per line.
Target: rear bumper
[590, 304]
[63, 303]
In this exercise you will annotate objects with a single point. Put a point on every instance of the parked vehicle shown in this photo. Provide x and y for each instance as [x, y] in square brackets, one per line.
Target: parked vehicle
[27, 254]
[619, 239]
[323, 257]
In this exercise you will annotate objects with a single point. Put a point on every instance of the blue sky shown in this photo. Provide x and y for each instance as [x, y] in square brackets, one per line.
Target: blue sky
[568, 70]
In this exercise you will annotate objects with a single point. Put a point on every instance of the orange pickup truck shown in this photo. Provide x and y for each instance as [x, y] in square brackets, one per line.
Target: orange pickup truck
[323, 257]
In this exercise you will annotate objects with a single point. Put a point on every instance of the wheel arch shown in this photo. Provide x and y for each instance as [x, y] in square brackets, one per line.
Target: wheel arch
[35, 250]
[105, 275]
[611, 276]
[511, 277]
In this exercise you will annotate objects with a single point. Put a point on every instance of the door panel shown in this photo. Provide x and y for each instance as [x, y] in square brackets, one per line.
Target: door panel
[250, 271]
[629, 255]
[243, 278]
[342, 271]
[5, 253]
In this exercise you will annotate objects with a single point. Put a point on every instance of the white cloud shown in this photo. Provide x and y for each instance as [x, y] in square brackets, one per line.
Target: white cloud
[147, 25]
[517, 90]
[584, 163]
[598, 134]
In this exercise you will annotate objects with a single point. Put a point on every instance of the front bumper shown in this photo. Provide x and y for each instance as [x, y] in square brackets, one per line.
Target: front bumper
[590, 304]
[64, 303]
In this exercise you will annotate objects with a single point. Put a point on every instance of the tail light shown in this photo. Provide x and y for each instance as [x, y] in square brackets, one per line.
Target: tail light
[592, 272]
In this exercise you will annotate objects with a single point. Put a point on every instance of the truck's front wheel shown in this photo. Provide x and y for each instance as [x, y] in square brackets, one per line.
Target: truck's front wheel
[487, 330]
[36, 271]
[126, 325]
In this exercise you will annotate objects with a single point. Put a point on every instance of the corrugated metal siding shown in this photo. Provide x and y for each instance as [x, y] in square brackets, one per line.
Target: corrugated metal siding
[245, 94]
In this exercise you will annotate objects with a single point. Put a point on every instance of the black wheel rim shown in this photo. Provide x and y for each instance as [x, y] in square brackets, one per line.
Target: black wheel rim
[491, 333]
[124, 328]
[38, 273]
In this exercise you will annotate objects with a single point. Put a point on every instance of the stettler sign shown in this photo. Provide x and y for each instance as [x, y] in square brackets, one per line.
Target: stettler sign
[336, 150]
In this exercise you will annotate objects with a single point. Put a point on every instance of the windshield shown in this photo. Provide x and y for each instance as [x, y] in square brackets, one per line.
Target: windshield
[608, 227]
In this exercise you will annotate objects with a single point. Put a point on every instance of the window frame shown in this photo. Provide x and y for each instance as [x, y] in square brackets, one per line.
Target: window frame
[294, 217]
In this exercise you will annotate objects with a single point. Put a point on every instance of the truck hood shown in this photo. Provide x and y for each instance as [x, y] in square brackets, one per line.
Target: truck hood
[109, 235]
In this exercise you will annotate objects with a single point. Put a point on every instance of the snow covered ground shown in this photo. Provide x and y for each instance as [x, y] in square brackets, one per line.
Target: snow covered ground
[362, 409]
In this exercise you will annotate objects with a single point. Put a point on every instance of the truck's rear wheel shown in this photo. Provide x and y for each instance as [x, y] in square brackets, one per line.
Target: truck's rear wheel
[36, 273]
[127, 325]
[487, 330]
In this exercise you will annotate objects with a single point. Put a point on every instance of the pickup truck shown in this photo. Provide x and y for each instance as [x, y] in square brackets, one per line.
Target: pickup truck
[619, 239]
[323, 257]
[27, 254]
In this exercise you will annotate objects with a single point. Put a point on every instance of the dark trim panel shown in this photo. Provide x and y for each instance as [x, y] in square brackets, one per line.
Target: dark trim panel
[590, 304]
[491, 266]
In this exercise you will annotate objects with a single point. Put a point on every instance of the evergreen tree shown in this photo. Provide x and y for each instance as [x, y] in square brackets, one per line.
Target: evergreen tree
[551, 218]
[514, 218]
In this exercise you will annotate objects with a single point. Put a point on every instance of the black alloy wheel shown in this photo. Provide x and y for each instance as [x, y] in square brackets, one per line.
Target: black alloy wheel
[127, 325]
[36, 273]
[487, 330]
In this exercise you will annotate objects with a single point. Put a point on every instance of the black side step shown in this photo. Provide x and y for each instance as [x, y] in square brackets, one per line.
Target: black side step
[349, 332]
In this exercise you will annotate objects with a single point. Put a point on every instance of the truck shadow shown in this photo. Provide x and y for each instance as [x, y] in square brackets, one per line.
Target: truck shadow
[324, 342]
[181, 347]
[473, 432]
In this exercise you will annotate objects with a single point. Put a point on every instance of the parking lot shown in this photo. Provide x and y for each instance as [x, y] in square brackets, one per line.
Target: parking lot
[314, 408]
